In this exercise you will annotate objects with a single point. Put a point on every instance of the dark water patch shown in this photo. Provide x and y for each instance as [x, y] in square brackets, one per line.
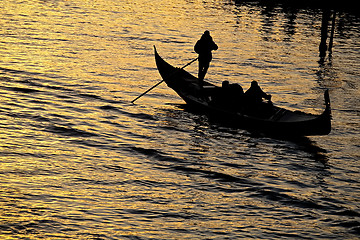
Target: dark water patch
[353, 226]
[97, 182]
[30, 172]
[46, 197]
[113, 123]
[221, 177]
[39, 120]
[9, 153]
[94, 236]
[66, 97]
[69, 131]
[156, 155]
[153, 214]
[86, 142]
[71, 104]
[4, 78]
[36, 81]
[349, 224]
[20, 115]
[40, 102]
[347, 213]
[108, 107]
[150, 183]
[275, 195]
[326, 208]
[91, 96]
[8, 70]
[172, 128]
[57, 117]
[142, 116]
[21, 89]
[297, 183]
[318, 153]
[115, 168]
[146, 151]
[19, 228]
[35, 226]
[292, 146]
[48, 83]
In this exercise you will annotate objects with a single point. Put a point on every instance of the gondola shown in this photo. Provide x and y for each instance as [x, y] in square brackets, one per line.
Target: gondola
[269, 119]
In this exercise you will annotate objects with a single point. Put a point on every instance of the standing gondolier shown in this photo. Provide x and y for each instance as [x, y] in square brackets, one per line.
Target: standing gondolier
[203, 47]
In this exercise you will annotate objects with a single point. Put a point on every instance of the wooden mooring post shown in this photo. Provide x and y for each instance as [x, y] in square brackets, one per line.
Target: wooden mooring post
[324, 33]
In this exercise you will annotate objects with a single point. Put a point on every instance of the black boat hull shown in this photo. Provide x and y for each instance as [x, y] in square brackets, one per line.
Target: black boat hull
[283, 122]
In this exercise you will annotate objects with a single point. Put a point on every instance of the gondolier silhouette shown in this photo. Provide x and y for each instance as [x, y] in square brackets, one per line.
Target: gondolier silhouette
[203, 47]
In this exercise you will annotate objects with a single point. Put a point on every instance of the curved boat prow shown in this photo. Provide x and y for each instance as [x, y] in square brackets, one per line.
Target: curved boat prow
[327, 103]
[162, 64]
[327, 114]
[327, 98]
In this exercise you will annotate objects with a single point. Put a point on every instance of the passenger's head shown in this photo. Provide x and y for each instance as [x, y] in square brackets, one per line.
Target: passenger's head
[238, 88]
[225, 84]
[254, 84]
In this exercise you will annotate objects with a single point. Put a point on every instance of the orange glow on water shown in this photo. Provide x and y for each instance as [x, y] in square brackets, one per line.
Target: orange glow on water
[77, 160]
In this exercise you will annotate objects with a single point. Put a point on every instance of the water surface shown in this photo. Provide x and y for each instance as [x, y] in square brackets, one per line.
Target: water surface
[79, 161]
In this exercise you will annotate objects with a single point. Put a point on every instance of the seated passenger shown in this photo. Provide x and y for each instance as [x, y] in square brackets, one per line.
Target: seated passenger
[220, 94]
[236, 89]
[229, 96]
[236, 96]
[254, 101]
[255, 94]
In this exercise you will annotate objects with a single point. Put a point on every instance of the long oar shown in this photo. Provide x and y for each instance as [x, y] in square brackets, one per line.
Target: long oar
[164, 80]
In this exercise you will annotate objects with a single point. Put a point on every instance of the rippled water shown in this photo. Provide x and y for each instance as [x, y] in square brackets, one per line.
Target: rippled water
[79, 161]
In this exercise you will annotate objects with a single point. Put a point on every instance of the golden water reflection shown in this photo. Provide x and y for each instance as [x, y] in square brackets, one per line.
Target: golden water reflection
[77, 160]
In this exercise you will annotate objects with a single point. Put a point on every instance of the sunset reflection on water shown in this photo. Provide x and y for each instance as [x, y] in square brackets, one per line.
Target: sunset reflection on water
[78, 160]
